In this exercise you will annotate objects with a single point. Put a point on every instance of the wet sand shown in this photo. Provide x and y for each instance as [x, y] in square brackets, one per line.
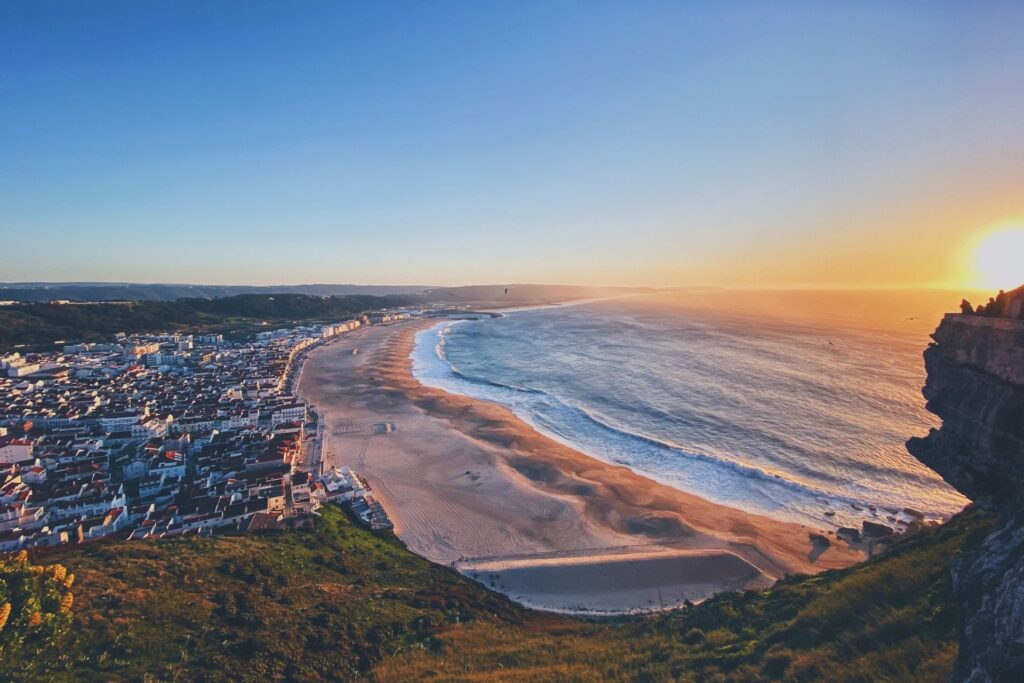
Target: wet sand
[628, 582]
[469, 484]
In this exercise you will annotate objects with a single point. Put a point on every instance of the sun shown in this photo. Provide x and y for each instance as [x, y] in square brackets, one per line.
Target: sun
[998, 258]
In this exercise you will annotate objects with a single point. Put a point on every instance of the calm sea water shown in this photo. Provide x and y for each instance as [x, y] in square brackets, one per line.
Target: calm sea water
[789, 404]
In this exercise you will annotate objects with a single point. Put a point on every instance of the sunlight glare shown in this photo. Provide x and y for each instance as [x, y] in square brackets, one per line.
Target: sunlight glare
[998, 259]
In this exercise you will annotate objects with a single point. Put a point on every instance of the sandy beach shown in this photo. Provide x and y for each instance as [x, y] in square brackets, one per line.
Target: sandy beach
[469, 484]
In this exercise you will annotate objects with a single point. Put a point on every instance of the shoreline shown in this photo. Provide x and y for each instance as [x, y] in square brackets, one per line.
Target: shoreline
[463, 478]
[755, 487]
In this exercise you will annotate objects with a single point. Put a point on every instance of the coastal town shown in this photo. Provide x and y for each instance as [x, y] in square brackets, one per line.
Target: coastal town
[154, 435]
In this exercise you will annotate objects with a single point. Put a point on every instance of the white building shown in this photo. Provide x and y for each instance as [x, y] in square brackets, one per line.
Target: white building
[149, 429]
[22, 369]
[119, 423]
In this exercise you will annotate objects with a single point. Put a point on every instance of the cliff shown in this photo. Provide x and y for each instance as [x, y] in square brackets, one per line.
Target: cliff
[976, 386]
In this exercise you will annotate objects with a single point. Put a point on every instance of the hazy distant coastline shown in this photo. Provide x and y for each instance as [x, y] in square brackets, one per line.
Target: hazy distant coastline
[28, 292]
[59, 315]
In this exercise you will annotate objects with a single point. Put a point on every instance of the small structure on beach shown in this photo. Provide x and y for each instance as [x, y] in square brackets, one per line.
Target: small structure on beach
[371, 513]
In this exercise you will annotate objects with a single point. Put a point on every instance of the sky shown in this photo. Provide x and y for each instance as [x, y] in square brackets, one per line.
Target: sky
[840, 144]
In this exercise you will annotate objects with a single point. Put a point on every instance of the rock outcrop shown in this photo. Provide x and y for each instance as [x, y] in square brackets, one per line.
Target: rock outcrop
[976, 386]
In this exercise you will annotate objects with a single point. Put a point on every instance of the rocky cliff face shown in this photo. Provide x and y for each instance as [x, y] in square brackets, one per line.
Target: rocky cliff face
[976, 385]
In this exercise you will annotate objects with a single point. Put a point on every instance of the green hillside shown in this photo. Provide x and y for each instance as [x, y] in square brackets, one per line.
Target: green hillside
[38, 325]
[336, 602]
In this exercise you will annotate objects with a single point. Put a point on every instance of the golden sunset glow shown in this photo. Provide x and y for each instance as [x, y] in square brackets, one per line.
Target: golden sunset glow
[997, 257]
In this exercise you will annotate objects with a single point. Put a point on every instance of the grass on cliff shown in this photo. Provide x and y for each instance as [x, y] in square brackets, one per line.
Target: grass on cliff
[35, 606]
[338, 603]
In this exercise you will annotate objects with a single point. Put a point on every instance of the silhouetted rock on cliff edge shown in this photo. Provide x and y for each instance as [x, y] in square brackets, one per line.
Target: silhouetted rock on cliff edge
[976, 385]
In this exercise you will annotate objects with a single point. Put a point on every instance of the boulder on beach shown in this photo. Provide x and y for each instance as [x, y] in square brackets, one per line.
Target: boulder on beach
[877, 530]
[849, 533]
[916, 514]
[819, 539]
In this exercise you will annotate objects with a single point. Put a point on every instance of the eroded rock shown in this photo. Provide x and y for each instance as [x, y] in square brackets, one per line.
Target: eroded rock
[976, 385]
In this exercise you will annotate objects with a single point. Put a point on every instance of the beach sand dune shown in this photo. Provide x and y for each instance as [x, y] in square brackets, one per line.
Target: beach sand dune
[469, 484]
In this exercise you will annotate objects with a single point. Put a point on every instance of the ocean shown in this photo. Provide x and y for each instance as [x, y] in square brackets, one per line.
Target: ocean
[788, 404]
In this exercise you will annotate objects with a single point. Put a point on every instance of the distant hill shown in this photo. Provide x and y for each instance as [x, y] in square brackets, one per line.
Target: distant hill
[39, 325]
[517, 294]
[126, 291]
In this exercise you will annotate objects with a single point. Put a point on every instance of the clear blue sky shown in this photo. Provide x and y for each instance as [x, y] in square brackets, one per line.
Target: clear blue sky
[438, 143]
